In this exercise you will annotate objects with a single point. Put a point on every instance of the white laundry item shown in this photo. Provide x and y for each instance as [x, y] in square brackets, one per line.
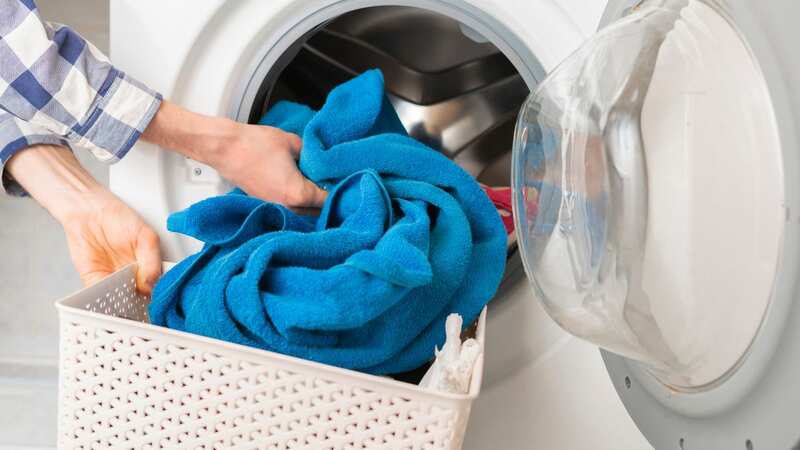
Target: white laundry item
[452, 370]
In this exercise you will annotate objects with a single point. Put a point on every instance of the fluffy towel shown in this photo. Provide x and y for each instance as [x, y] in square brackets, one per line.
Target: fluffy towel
[405, 238]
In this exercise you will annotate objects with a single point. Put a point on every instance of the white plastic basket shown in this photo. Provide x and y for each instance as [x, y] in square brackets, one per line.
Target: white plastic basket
[126, 384]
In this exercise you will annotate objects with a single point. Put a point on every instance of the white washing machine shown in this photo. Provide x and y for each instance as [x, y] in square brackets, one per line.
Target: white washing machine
[662, 157]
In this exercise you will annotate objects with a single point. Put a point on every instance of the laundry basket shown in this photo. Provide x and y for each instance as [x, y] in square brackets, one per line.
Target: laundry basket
[126, 384]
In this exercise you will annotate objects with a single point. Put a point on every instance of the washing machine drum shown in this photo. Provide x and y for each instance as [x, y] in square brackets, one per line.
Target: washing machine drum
[652, 209]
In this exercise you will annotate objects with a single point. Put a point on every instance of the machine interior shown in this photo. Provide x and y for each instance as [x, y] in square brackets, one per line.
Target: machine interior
[452, 90]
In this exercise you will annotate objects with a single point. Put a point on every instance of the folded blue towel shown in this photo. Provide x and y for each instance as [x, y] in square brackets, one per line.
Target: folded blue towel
[405, 238]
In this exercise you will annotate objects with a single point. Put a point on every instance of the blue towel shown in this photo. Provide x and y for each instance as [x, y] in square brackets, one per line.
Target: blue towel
[405, 238]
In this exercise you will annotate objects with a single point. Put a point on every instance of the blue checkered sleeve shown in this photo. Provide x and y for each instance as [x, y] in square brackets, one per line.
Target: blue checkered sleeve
[57, 82]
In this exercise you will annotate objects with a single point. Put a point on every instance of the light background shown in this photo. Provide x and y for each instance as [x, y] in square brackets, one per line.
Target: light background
[34, 272]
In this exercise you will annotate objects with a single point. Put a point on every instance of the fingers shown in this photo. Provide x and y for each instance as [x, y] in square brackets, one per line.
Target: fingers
[88, 279]
[295, 144]
[148, 257]
[314, 194]
[304, 211]
[304, 194]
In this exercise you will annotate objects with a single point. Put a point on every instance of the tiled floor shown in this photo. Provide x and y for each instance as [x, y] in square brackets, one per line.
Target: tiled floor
[35, 272]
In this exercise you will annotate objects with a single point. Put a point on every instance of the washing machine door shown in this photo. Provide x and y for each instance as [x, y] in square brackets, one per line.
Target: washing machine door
[655, 207]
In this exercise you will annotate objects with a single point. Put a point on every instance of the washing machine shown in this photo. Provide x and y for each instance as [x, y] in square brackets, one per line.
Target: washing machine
[650, 294]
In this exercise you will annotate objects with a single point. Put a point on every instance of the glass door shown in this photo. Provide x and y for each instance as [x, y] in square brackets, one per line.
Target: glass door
[648, 192]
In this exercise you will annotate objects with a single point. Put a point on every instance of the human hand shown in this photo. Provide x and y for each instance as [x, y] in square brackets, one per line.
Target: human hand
[106, 235]
[103, 234]
[259, 159]
[263, 162]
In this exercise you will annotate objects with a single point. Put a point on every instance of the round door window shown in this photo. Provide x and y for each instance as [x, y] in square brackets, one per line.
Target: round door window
[648, 192]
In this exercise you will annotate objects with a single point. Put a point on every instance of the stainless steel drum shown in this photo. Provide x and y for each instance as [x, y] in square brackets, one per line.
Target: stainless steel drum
[461, 95]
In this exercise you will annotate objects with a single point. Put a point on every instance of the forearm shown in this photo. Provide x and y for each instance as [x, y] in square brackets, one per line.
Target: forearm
[103, 234]
[55, 179]
[193, 135]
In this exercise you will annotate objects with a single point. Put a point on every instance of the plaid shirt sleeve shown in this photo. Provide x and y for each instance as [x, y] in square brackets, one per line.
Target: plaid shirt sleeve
[62, 86]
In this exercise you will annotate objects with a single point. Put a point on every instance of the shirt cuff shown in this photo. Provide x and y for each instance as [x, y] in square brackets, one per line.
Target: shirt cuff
[15, 136]
[124, 109]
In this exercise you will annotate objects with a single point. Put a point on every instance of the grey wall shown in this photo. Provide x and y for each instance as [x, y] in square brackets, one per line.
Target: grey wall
[34, 272]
